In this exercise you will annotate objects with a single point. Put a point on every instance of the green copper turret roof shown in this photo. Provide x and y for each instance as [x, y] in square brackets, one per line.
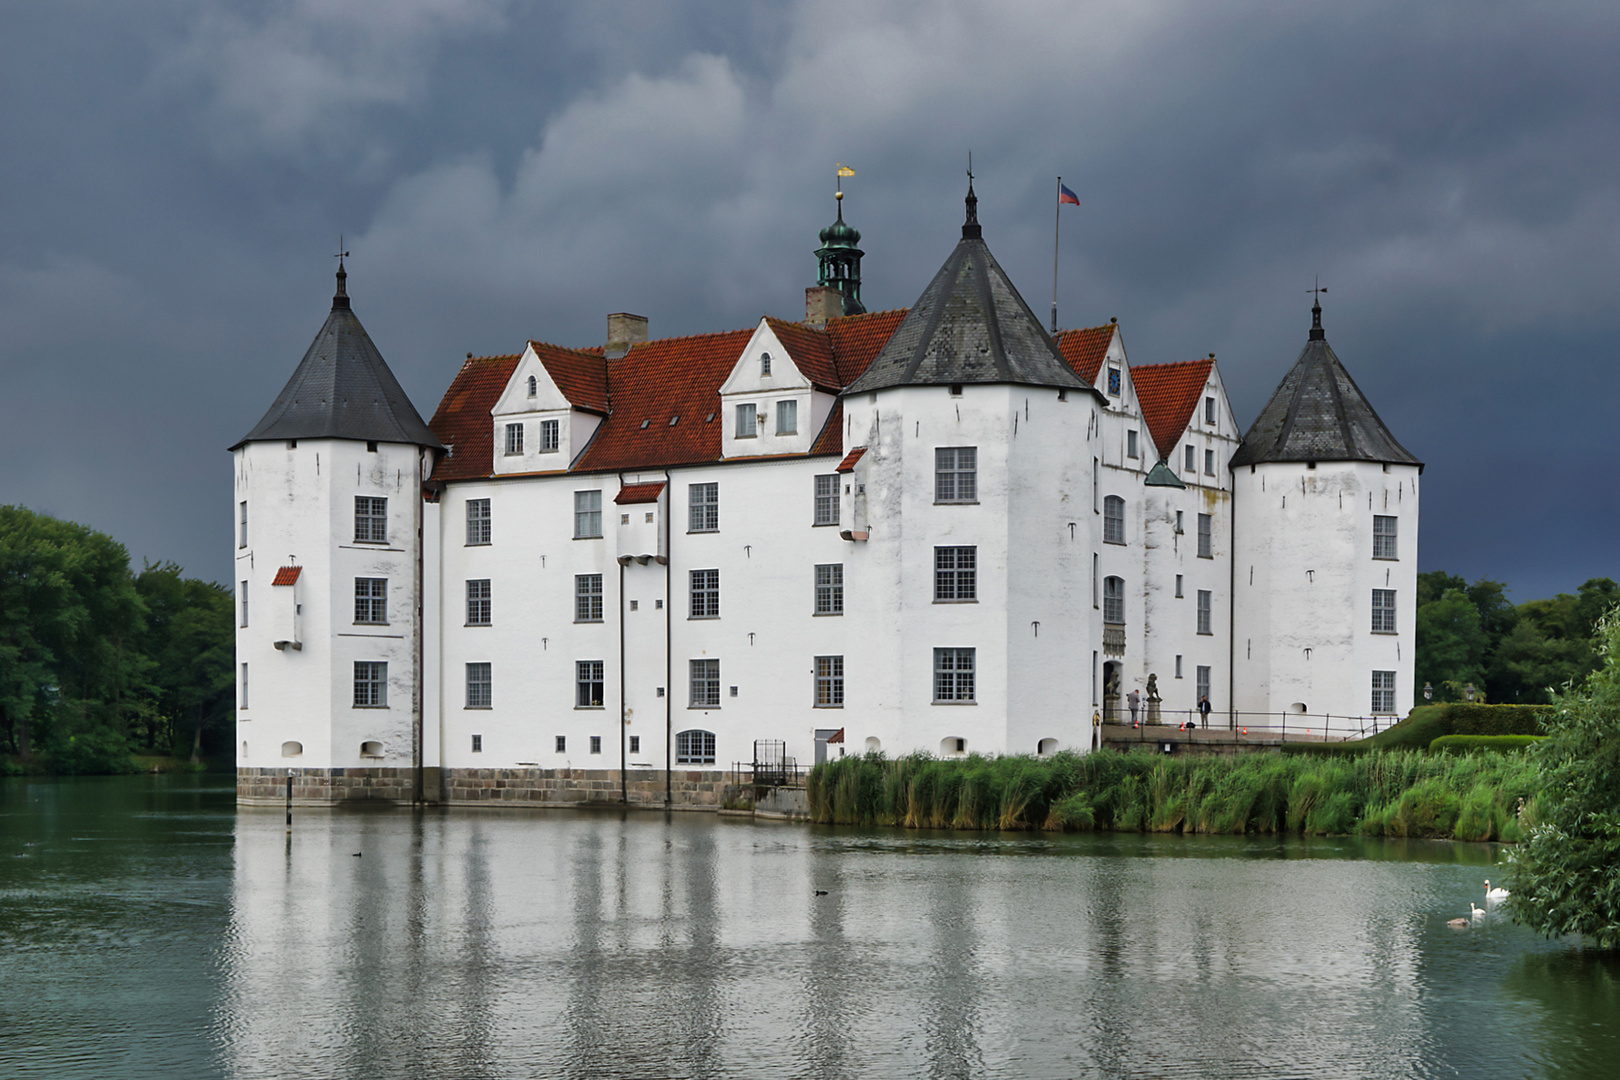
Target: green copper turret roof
[1162, 476]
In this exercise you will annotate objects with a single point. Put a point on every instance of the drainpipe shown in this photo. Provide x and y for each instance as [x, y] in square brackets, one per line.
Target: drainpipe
[417, 704]
[669, 646]
[1231, 601]
[624, 759]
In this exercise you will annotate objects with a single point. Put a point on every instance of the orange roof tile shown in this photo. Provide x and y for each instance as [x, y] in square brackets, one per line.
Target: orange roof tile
[831, 438]
[581, 374]
[811, 352]
[1168, 393]
[857, 339]
[639, 493]
[1084, 349]
[462, 420]
[287, 575]
[849, 462]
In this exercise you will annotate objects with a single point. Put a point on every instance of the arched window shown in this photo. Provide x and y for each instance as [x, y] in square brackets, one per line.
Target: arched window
[694, 747]
[1113, 520]
[534, 386]
[764, 363]
[292, 749]
[1114, 600]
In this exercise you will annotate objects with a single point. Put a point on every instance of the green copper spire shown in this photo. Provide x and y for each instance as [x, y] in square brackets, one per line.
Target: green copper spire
[840, 258]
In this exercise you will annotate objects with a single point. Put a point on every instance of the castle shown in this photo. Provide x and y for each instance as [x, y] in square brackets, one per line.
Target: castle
[610, 573]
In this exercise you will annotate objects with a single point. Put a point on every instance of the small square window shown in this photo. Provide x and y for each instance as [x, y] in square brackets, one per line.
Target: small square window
[634, 604]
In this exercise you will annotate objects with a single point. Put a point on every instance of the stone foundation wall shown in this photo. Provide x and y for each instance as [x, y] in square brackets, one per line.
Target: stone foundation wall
[391, 784]
[688, 789]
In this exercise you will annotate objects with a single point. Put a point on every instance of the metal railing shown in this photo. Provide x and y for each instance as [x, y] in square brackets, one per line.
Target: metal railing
[1256, 726]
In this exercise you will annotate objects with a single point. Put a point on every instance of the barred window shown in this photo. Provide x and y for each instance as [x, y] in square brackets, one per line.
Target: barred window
[703, 507]
[588, 684]
[370, 520]
[829, 682]
[1383, 691]
[694, 747]
[1206, 536]
[746, 421]
[1383, 611]
[953, 674]
[827, 499]
[478, 602]
[705, 594]
[1205, 600]
[371, 600]
[370, 684]
[1113, 520]
[829, 588]
[956, 573]
[705, 679]
[587, 597]
[477, 522]
[478, 695]
[1114, 600]
[514, 438]
[1384, 539]
[587, 514]
[956, 474]
[549, 440]
[787, 417]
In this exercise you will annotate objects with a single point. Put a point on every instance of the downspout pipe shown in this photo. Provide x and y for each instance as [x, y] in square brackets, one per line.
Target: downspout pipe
[1231, 600]
[418, 705]
[669, 646]
[624, 756]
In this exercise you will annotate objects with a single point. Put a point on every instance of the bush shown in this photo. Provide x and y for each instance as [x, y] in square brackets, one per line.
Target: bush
[92, 753]
[1497, 744]
[1463, 718]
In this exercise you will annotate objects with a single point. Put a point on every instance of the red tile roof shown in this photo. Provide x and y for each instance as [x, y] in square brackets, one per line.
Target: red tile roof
[462, 421]
[1085, 349]
[831, 438]
[287, 575]
[811, 352]
[857, 339]
[639, 493]
[849, 462]
[581, 374]
[1168, 394]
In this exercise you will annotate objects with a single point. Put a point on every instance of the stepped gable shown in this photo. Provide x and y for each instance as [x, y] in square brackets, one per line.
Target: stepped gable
[342, 389]
[462, 420]
[1085, 349]
[1319, 414]
[1168, 394]
[970, 325]
[581, 374]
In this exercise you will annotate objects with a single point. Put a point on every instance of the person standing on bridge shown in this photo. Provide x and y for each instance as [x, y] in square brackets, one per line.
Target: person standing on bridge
[1134, 700]
[1203, 709]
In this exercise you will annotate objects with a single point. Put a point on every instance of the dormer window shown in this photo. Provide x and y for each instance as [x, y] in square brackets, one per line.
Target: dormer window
[746, 426]
[787, 417]
[514, 439]
[548, 436]
[534, 386]
[765, 365]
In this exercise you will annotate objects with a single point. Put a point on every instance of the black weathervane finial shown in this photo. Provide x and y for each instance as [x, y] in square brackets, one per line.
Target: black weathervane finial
[970, 227]
[1317, 333]
[340, 299]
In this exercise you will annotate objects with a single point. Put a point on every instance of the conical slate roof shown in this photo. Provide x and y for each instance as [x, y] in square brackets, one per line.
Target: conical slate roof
[969, 326]
[343, 390]
[1319, 414]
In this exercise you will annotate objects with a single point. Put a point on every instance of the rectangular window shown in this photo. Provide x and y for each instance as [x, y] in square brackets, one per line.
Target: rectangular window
[703, 507]
[241, 525]
[370, 684]
[1096, 561]
[478, 688]
[956, 573]
[1383, 691]
[1178, 665]
[635, 744]
[953, 674]
[1179, 529]
[705, 594]
[956, 474]
[370, 520]
[747, 424]
[596, 744]
[1209, 410]
[478, 744]
[1178, 586]
[514, 439]
[1209, 463]
[1130, 444]
[787, 417]
[1205, 598]
[562, 744]
[1114, 600]
[478, 602]
[1201, 689]
[829, 682]
[242, 595]
[587, 514]
[1113, 520]
[1384, 545]
[477, 522]
[588, 684]
[1383, 611]
[1206, 536]
[549, 441]
[587, 597]
[694, 748]
[1191, 465]
[705, 680]
[829, 588]
[243, 699]
[827, 499]
[371, 600]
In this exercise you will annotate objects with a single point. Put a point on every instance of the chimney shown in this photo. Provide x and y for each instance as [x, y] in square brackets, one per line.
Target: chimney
[822, 302]
[624, 330]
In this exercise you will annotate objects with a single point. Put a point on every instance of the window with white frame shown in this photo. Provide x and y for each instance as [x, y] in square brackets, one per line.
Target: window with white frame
[1130, 444]
[1209, 463]
[1206, 598]
[764, 364]
[705, 684]
[587, 684]
[587, 597]
[241, 525]
[956, 474]
[747, 421]
[1206, 536]
[694, 747]
[550, 436]
[956, 574]
[787, 417]
[1209, 410]
[514, 439]
[705, 594]
[370, 684]
[477, 522]
[478, 685]
[242, 595]
[827, 499]
[1191, 464]
[829, 588]
[534, 386]
[829, 682]
[1383, 691]
[371, 600]
[1384, 536]
[1383, 611]
[702, 507]
[1201, 686]
[1113, 520]
[587, 514]
[370, 520]
[478, 602]
[1114, 600]
[954, 671]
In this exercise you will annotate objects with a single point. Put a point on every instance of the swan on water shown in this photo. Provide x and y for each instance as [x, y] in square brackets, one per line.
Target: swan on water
[1494, 896]
[1457, 924]
[1475, 913]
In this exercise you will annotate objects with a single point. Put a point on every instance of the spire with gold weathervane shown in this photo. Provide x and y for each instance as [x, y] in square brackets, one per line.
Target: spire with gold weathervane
[839, 257]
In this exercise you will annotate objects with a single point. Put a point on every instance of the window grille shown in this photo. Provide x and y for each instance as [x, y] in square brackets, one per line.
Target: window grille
[1383, 691]
[694, 747]
[370, 684]
[1205, 599]
[588, 681]
[1384, 536]
[1113, 520]
[1206, 536]
[587, 514]
[549, 436]
[829, 682]
[705, 679]
[827, 499]
[705, 594]
[587, 597]
[477, 521]
[956, 474]
[514, 439]
[787, 417]
[703, 507]
[478, 602]
[371, 600]
[747, 421]
[956, 573]
[1114, 600]
[478, 688]
[953, 674]
[829, 588]
[370, 520]
[1383, 611]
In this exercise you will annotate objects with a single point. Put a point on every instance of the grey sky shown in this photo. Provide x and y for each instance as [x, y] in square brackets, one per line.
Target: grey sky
[174, 176]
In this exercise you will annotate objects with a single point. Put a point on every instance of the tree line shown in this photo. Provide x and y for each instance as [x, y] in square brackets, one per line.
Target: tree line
[97, 661]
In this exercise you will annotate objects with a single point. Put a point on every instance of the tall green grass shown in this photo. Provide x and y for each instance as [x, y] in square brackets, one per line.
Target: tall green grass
[1466, 796]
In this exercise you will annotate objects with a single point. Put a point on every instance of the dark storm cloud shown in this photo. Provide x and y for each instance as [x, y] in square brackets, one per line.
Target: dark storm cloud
[175, 176]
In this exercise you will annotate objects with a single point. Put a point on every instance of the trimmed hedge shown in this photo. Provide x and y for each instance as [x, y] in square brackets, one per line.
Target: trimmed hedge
[1426, 723]
[1466, 719]
[1500, 744]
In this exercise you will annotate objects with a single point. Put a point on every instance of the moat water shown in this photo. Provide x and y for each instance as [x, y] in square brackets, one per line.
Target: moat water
[150, 928]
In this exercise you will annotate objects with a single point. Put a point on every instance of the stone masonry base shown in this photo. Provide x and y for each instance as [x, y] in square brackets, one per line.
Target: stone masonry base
[687, 789]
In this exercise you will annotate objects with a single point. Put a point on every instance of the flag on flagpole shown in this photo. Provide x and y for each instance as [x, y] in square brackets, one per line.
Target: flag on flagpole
[845, 170]
[1067, 196]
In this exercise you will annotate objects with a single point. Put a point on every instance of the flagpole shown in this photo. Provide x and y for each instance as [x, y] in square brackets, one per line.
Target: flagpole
[1057, 221]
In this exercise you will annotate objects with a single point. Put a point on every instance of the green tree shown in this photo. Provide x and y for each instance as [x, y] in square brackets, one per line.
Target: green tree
[191, 643]
[1451, 644]
[1565, 877]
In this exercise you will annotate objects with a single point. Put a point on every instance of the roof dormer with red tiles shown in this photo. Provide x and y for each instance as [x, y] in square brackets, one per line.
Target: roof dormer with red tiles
[550, 408]
[1189, 417]
[779, 393]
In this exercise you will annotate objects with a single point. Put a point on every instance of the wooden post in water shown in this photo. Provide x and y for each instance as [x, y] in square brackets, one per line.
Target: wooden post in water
[290, 774]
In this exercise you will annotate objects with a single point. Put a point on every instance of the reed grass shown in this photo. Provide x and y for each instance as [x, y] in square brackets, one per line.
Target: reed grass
[1464, 796]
